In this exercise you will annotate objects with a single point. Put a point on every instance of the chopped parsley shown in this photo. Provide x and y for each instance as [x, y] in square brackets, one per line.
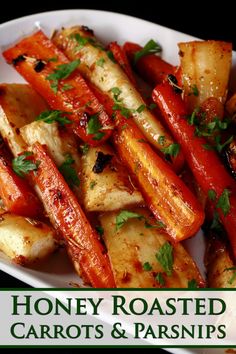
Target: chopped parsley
[233, 278]
[224, 202]
[100, 62]
[67, 87]
[54, 116]
[111, 56]
[151, 47]
[161, 140]
[194, 90]
[192, 284]
[69, 172]
[124, 216]
[93, 127]
[216, 224]
[157, 225]
[141, 108]
[99, 230]
[147, 266]
[22, 166]
[62, 71]
[92, 184]
[160, 279]
[165, 257]
[171, 150]
[84, 148]
[212, 194]
[116, 93]
[126, 112]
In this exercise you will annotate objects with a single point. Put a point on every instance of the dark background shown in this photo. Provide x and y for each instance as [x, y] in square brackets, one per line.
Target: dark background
[206, 20]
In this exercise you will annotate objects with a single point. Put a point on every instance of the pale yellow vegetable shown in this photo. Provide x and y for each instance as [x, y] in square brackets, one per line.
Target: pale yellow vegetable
[218, 263]
[25, 240]
[19, 105]
[205, 69]
[106, 75]
[133, 245]
[111, 189]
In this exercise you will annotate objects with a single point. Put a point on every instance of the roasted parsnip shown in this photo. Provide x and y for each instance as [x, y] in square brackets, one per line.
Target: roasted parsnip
[134, 247]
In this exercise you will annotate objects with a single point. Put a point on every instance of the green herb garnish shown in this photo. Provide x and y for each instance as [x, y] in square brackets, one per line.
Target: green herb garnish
[100, 62]
[192, 284]
[160, 279]
[22, 166]
[124, 216]
[233, 278]
[224, 202]
[69, 172]
[165, 257]
[171, 150]
[212, 194]
[54, 116]
[147, 266]
[151, 47]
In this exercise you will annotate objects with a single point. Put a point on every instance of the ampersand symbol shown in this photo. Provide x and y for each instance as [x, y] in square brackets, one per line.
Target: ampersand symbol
[117, 331]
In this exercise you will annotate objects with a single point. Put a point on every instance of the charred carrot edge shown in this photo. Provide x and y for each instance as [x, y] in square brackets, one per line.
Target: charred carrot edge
[121, 58]
[17, 195]
[206, 166]
[71, 94]
[67, 216]
[164, 192]
[151, 68]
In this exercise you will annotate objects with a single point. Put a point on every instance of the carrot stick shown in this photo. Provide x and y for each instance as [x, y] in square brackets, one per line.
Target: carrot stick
[150, 67]
[17, 196]
[57, 80]
[206, 166]
[67, 216]
[121, 58]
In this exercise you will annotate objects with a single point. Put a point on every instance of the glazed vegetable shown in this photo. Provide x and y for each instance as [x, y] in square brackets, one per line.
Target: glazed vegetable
[121, 58]
[68, 218]
[16, 194]
[112, 81]
[25, 240]
[221, 271]
[207, 168]
[205, 70]
[105, 183]
[19, 105]
[61, 85]
[142, 256]
[151, 67]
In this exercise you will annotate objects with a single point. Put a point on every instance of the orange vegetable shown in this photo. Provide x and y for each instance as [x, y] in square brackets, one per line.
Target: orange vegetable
[150, 67]
[16, 194]
[121, 58]
[66, 215]
[37, 59]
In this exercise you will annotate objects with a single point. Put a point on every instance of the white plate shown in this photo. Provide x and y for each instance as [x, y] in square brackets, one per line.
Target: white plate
[57, 272]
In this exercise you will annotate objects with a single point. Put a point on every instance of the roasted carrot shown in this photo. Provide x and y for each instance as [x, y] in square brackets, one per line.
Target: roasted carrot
[150, 67]
[57, 80]
[121, 58]
[17, 196]
[206, 166]
[68, 218]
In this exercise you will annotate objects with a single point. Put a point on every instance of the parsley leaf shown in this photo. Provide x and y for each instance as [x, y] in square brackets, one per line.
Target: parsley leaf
[111, 56]
[100, 62]
[93, 124]
[126, 112]
[99, 230]
[67, 87]
[161, 139]
[147, 266]
[84, 148]
[172, 150]
[116, 93]
[62, 71]
[223, 202]
[219, 146]
[82, 41]
[233, 278]
[216, 225]
[160, 279]
[195, 90]
[141, 108]
[124, 216]
[22, 166]
[157, 225]
[92, 184]
[192, 284]
[151, 47]
[212, 194]
[54, 116]
[68, 171]
[165, 257]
